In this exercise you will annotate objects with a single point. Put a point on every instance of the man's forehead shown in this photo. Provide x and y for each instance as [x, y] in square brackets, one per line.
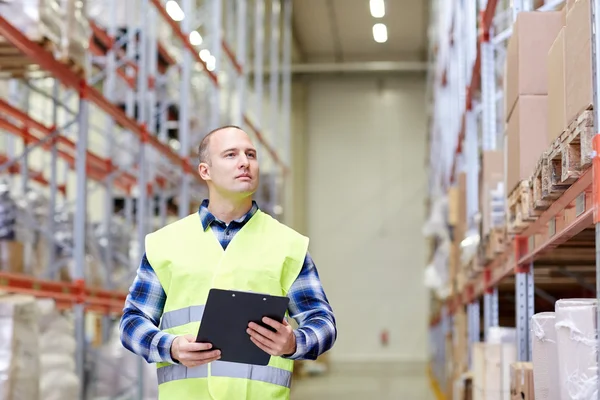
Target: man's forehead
[232, 137]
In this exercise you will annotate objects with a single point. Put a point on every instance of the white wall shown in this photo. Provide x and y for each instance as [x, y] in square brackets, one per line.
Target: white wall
[366, 185]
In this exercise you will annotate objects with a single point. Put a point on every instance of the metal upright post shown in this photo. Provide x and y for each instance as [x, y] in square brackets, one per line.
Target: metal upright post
[595, 5]
[524, 290]
[53, 185]
[130, 93]
[109, 89]
[79, 233]
[215, 42]
[487, 314]
[142, 182]
[259, 34]
[287, 80]
[184, 109]
[241, 55]
[274, 94]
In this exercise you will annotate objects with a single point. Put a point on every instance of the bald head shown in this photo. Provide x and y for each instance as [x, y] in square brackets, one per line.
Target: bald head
[203, 148]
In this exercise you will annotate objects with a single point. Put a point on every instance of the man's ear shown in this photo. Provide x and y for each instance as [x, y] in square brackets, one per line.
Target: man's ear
[204, 171]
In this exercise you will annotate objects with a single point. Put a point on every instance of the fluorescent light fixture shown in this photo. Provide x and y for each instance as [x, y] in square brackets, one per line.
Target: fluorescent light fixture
[174, 11]
[204, 55]
[380, 33]
[377, 8]
[211, 63]
[195, 38]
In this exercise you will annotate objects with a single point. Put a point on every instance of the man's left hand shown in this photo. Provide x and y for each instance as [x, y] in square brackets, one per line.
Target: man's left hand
[278, 343]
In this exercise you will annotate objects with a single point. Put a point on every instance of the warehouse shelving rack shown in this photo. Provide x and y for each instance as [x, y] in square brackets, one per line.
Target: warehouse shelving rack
[157, 168]
[467, 53]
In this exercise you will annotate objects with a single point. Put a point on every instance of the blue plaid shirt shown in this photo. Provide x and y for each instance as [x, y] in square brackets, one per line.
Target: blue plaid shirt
[144, 305]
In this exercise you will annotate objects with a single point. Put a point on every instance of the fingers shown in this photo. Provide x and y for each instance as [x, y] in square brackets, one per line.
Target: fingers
[261, 330]
[195, 346]
[272, 323]
[195, 363]
[262, 346]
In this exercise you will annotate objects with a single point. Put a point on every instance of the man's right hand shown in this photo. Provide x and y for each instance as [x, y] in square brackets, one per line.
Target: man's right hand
[191, 354]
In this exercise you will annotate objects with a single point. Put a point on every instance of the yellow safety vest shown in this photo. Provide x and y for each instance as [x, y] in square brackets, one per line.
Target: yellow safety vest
[264, 256]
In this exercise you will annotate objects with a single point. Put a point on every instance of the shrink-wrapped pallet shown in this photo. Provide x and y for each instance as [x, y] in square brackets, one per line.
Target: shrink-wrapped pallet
[577, 348]
[37, 19]
[116, 372]
[19, 349]
[545, 356]
[58, 378]
[491, 370]
[76, 33]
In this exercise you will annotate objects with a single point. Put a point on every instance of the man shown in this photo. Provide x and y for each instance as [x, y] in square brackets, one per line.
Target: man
[230, 244]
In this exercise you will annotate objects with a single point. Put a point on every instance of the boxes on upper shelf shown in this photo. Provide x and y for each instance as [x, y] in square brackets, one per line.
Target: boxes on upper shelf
[557, 102]
[527, 138]
[578, 55]
[492, 190]
[526, 71]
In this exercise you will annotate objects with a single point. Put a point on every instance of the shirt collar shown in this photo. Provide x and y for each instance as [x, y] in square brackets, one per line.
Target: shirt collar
[207, 218]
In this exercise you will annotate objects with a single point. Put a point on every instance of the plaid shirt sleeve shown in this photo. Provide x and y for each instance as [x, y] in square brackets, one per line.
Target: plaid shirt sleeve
[309, 306]
[141, 317]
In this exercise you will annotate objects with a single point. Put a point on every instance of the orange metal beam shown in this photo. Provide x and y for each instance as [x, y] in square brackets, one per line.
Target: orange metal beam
[71, 80]
[65, 293]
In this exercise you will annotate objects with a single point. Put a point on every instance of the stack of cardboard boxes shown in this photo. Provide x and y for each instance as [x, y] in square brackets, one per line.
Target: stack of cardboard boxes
[526, 92]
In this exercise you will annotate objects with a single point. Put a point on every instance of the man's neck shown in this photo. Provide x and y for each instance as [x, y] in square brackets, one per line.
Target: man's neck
[229, 210]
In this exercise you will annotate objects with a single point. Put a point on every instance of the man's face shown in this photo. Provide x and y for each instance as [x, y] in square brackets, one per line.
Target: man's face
[233, 168]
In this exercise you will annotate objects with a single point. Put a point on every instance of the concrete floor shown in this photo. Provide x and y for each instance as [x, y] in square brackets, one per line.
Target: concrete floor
[385, 381]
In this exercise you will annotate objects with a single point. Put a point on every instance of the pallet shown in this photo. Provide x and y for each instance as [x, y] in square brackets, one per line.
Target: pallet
[493, 244]
[564, 161]
[15, 64]
[520, 208]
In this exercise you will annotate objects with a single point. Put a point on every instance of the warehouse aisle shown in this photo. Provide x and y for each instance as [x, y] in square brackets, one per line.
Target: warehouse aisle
[382, 381]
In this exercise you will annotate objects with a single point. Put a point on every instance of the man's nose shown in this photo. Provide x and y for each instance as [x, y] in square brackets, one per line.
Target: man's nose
[244, 162]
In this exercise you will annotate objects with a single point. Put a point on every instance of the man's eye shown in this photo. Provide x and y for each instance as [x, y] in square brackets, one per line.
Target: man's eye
[229, 155]
[251, 155]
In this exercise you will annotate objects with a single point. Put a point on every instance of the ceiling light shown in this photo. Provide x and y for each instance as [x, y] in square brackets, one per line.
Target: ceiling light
[195, 38]
[211, 63]
[377, 8]
[204, 55]
[380, 33]
[174, 11]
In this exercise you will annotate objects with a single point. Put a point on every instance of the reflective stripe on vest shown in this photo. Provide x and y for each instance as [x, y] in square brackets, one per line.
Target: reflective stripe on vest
[275, 376]
[181, 316]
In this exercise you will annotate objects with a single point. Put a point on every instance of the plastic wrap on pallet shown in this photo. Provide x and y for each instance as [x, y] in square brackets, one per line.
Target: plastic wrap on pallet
[436, 223]
[115, 372]
[19, 354]
[76, 32]
[119, 237]
[499, 335]
[545, 356]
[32, 217]
[577, 347]
[8, 213]
[37, 19]
[58, 378]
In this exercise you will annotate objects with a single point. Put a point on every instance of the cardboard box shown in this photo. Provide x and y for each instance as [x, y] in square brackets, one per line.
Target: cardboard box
[492, 179]
[557, 102]
[578, 54]
[527, 138]
[569, 5]
[526, 72]
[521, 381]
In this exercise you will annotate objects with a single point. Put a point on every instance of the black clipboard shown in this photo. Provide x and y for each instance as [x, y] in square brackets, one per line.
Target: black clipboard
[225, 320]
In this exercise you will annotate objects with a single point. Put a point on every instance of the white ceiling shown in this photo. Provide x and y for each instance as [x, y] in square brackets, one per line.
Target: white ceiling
[341, 30]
